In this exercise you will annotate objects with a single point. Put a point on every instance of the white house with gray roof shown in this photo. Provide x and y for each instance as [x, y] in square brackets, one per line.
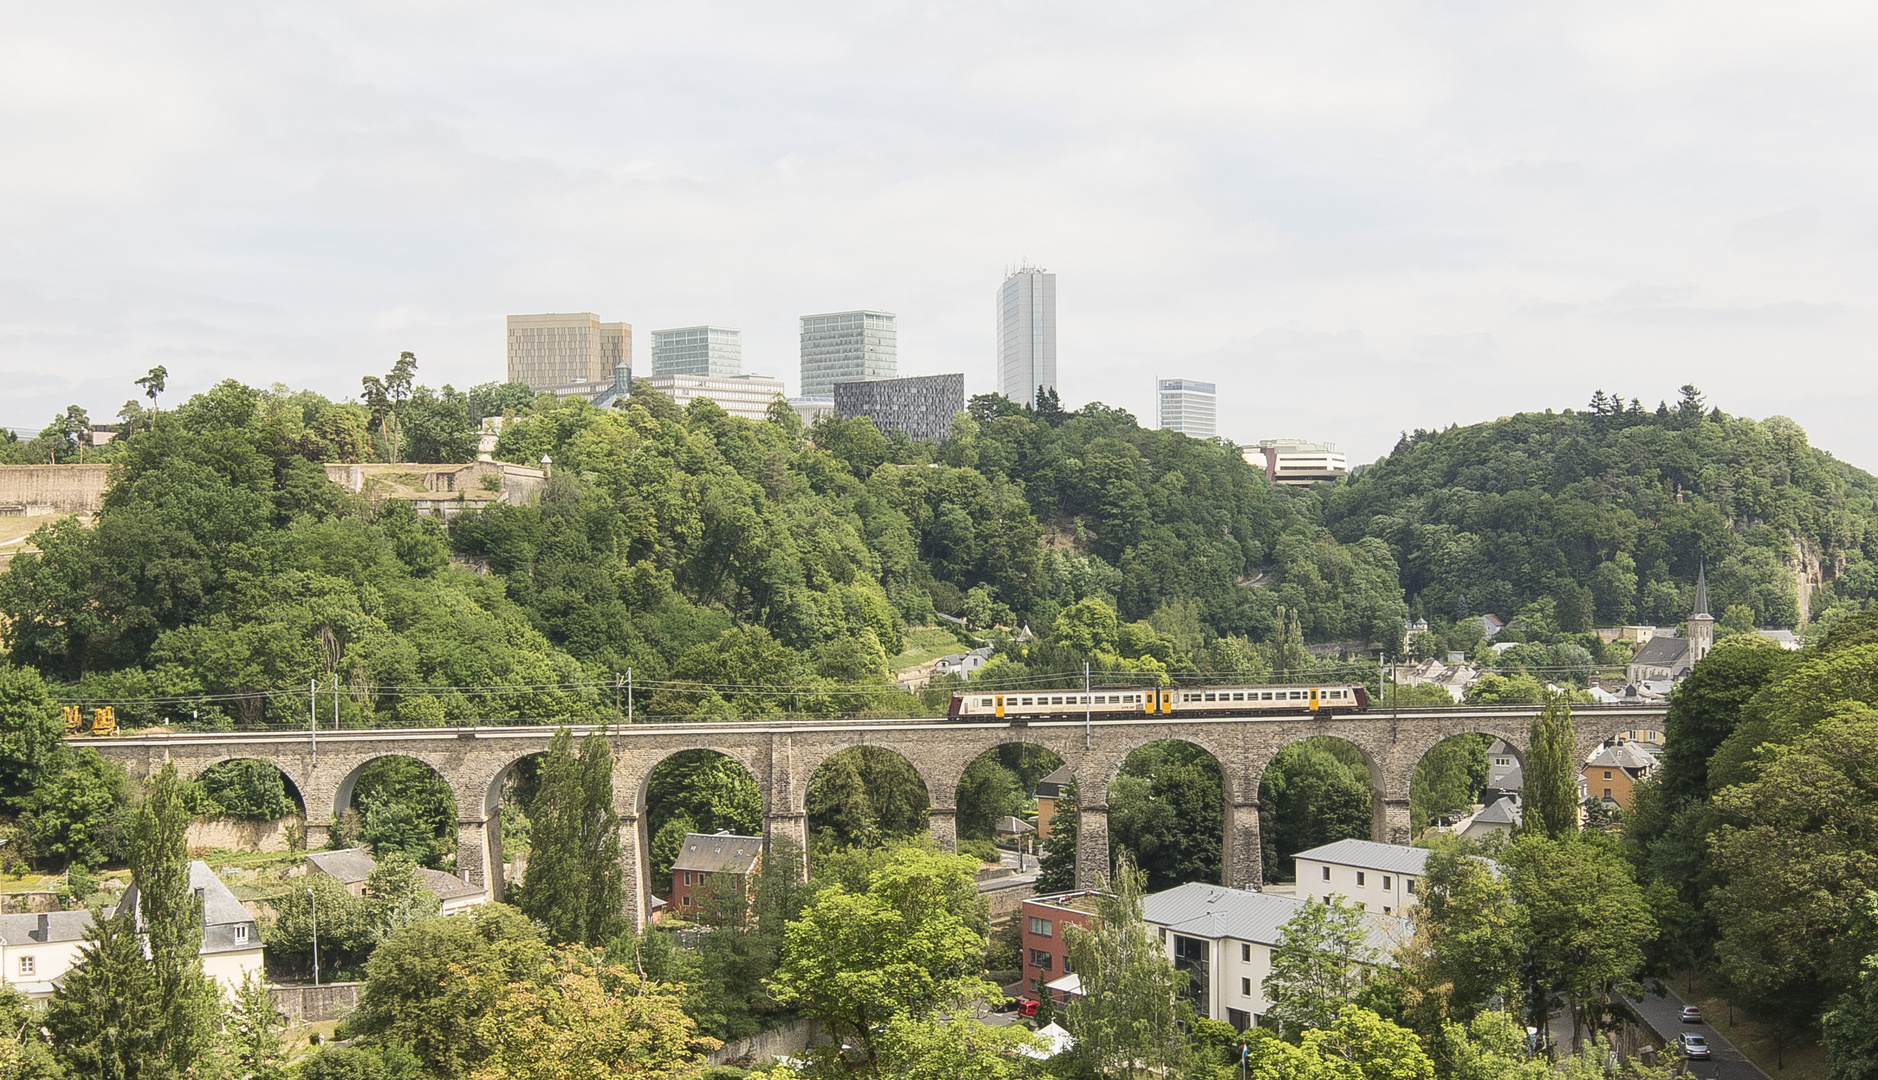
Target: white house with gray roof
[1380, 877]
[1223, 939]
[35, 950]
[231, 942]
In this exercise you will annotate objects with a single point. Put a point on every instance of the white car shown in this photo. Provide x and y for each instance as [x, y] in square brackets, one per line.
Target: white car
[1695, 1046]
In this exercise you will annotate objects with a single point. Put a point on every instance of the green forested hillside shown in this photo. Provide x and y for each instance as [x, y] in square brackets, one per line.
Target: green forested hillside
[1608, 512]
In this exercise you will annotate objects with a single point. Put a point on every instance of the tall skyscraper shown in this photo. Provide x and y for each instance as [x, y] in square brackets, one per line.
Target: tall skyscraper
[847, 346]
[551, 352]
[697, 350]
[1027, 335]
[1189, 406]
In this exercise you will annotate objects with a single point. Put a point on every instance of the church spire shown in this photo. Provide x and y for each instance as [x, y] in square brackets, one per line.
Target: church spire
[1701, 589]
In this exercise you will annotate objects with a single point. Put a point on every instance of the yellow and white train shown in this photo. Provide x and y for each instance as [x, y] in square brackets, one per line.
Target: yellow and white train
[1116, 704]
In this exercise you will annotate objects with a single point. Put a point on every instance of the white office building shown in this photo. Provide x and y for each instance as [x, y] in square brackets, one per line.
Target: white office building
[1027, 334]
[697, 350]
[847, 346]
[1188, 406]
[1222, 940]
[1380, 878]
[748, 396]
[1296, 462]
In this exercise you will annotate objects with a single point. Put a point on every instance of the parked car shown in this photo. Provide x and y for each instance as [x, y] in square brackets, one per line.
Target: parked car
[1691, 1014]
[1694, 1046]
[1026, 1007]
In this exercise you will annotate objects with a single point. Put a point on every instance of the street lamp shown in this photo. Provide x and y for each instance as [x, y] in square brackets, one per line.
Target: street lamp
[314, 906]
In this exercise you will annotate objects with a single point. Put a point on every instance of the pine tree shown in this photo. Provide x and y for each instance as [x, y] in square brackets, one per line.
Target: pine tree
[574, 884]
[103, 1019]
[1056, 871]
[170, 914]
[1551, 794]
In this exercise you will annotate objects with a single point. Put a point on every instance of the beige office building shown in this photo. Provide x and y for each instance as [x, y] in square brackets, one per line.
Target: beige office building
[747, 396]
[555, 352]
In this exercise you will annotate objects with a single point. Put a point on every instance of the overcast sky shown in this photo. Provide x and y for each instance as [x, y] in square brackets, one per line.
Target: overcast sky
[1355, 218]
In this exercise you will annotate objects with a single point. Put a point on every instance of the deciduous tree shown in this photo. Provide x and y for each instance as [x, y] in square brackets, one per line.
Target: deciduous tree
[574, 884]
[1319, 965]
[1551, 792]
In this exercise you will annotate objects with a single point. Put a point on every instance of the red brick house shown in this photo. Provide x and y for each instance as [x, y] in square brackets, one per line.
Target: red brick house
[705, 856]
[1045, 918]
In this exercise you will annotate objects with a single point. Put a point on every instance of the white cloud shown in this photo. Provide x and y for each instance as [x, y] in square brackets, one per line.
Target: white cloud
[1358, 218]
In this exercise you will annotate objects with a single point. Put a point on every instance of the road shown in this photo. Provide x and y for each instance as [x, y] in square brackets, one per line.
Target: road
[1663, 1014]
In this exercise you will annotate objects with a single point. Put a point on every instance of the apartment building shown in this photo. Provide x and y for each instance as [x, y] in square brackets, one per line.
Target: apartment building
[1380, 877]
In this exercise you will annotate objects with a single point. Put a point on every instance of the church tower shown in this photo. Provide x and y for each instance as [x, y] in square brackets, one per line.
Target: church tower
[1701, 623]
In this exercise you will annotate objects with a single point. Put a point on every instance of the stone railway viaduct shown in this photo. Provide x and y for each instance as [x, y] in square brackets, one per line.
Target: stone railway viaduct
[783, 757]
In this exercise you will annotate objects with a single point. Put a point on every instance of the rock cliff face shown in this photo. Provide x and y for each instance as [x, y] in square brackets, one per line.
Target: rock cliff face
[1807, 573]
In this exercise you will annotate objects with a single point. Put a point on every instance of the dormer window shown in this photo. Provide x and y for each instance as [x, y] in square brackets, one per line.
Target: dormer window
[241, 932]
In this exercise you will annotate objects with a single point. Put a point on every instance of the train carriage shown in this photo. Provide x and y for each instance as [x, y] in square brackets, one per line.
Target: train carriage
[1123, 703]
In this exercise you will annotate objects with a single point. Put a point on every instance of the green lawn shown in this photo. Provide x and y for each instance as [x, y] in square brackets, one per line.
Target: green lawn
[924, 644]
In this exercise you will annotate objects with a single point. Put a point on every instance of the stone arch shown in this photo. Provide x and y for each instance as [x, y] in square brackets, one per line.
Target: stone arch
[1417, 751]
[196, 767]
[1109, 770]
[1010, 737]
[1376, 760]
[940, 801]
[468, 792]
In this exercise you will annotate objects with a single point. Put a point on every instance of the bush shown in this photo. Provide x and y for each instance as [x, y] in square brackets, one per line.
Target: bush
[982, 850]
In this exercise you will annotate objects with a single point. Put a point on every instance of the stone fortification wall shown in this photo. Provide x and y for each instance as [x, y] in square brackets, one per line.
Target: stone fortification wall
[228, 834]
[52, 489]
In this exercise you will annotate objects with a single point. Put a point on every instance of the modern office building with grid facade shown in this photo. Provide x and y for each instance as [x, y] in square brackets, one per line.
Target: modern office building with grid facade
[555, 352]
[1027, 335]
[847, 346]
[748, 396]
[922, 405]
[697, 350]
[1190, 407]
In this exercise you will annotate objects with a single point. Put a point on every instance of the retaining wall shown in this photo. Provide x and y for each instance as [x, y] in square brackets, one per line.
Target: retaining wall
[790, 1040]
[315, 1004]
[229, 834]
[52, 489]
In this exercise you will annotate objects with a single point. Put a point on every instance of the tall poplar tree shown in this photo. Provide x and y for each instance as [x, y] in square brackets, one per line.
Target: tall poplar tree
[1131, 1019]
[1056, 871]
[138, 1006]
[1551, 795]
[574, 884]
[170, 914]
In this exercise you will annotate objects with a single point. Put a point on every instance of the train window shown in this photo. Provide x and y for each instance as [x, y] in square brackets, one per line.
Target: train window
[1297, 695]
[1238, 697]
[984, 703]
[1056, 701]
[1026, 701]
[1207, 697]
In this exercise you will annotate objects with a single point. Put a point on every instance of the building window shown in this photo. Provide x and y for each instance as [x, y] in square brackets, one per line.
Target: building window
[1245, 987]
[1607, 774]
[241, 931]
[1326, 873]
[1385, 881]
[1040, 927]
[1411, 886]
[687, 899]
[26, 965]
[1245, 953]
[1239, 1018]
[1386, 910]
[687, 877]
[1607, 793]
[1359, 877]
[1041, 960]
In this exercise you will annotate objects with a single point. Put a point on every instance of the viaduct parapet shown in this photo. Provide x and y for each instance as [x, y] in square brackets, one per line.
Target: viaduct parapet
[783, 757]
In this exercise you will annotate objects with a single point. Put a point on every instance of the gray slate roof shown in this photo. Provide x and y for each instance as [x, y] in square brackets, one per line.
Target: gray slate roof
[1369, 855]
[1197, 909]
[721, 852]
[1498, 812]
[1663, 652]
[1624, 755]
[60, 926]
[221, 912]
[349, 866]
[446, 886]
[1051, 786]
